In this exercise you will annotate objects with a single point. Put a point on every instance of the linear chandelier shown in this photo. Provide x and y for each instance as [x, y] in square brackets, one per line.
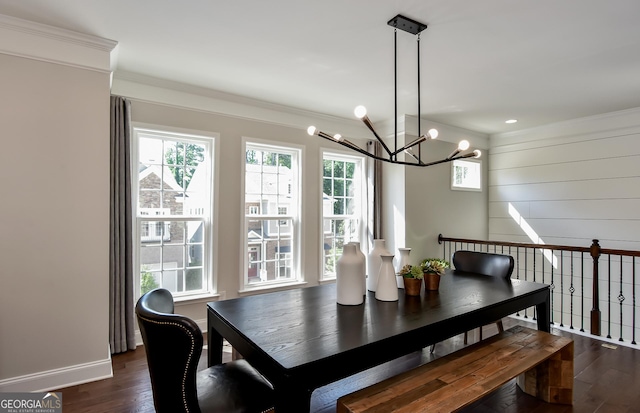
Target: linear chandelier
[413, 27]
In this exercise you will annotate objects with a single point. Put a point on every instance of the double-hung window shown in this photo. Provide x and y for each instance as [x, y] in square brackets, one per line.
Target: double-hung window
[172, 187]
[343, 206]
[272, 210]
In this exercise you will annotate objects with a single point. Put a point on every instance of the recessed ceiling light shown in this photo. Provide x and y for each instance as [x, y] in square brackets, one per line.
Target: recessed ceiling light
[511, 121]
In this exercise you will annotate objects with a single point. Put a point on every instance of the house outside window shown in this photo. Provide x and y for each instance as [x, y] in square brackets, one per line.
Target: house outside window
[172, 183]
[343, 206]
[272, 185]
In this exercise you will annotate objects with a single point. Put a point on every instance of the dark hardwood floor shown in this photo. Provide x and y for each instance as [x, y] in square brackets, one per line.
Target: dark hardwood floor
[606, 381]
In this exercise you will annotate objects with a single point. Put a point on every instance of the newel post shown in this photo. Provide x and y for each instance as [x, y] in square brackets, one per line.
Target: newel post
[595, 310]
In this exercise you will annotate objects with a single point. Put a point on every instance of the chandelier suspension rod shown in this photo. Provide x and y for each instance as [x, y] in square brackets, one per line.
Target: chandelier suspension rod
[395, 90]
[419, 112]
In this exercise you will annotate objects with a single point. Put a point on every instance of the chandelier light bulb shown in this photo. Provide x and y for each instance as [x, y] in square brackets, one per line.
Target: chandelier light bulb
[311, 130]
[477, 153]
[433, 133]
[463, 145]
[360, 112]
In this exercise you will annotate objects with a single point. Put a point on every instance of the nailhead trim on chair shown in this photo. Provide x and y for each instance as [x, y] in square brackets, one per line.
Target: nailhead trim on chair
[184, 376]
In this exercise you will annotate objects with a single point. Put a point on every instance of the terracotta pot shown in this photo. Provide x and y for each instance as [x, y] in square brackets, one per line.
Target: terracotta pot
[412, 286]
[431, 281]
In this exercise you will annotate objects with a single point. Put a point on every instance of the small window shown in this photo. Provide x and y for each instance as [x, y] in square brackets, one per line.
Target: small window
[466, 175]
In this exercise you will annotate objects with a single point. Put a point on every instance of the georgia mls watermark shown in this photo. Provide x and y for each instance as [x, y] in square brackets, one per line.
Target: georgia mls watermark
[30, 402]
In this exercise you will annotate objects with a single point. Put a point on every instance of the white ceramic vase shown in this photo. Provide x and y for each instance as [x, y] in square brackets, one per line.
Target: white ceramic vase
[363, 261]
[401, 260]
[387, 289]
[349, 277]
[373, 263]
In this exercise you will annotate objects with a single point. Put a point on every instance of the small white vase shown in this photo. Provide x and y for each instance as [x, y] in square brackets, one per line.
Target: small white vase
[387, 289]
[401, 260]
[363, 261]
[373, 263]
[349, 277]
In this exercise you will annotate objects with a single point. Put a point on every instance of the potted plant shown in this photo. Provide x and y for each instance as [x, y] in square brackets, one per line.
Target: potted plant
[412, 276]
[433, 268]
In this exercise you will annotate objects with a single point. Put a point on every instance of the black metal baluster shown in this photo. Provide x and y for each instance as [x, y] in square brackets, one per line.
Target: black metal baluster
[621, 300]
[561, 287]
[582, 289]
[552, 286]
[609, 297]
[571, 290]
[633, 326]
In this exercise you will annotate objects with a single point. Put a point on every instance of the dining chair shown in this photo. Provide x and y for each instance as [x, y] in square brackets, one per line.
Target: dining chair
[173, 344]
[484, 263]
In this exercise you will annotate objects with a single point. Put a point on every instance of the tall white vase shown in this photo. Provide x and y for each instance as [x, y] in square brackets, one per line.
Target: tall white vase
[373, 263]
[363, 260]
[387, 289]
[401, 260]
[349, 277]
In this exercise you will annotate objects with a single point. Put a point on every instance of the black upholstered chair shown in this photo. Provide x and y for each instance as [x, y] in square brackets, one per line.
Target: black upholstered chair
[484, 263]
[173, 344]
[493, 265]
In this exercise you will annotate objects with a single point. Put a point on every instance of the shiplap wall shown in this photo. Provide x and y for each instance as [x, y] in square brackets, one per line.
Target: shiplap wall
[567, 184]
[571, 182]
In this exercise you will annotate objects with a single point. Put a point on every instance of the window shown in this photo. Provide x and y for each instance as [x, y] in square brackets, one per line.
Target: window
[271, 188]
[343, 195]
[466, 175]
[172, 209]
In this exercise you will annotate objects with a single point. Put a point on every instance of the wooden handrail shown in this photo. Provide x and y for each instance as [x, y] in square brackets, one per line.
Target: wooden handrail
[630, 253]
[441, 238]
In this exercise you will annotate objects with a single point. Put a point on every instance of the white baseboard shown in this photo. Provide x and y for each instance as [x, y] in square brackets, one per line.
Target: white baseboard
[59, 378]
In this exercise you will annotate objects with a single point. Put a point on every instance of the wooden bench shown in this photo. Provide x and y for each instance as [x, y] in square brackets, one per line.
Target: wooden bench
[542, 363]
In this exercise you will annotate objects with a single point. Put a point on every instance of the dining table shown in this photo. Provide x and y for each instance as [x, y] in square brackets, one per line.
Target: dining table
[301, 339]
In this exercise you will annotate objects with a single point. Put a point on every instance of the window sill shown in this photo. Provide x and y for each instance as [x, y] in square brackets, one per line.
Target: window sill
[196, 299]
[272, 287]
[327, 281]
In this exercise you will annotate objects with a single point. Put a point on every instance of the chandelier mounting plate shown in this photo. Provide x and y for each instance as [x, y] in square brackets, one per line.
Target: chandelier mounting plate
[408, 25]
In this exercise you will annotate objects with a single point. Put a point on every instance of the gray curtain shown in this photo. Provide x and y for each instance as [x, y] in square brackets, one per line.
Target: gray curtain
[121, 327]
[374, 192]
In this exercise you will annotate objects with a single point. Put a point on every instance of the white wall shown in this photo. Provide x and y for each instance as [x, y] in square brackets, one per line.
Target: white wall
[572, 182]
[55, 215]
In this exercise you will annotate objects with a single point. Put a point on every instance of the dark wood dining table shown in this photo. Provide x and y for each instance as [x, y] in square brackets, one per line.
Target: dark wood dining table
[302, 339]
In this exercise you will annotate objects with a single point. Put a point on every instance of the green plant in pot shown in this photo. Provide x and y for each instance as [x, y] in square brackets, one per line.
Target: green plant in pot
[412, 276]
[433, 268]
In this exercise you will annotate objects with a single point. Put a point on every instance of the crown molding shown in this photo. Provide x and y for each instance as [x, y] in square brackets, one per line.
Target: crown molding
[143, 88]
[24, 38]
[611, 121]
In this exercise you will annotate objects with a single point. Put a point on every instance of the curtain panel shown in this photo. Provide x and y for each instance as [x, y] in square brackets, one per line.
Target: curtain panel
[121, 302]
[374, 192]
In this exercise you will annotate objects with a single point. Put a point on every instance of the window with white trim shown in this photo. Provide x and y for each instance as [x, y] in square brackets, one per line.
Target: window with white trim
[466, 175]
[172, 184]
[271, 224]
[343, 206]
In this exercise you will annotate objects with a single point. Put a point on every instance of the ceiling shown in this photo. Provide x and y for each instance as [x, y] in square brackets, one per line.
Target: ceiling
[482, 62]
